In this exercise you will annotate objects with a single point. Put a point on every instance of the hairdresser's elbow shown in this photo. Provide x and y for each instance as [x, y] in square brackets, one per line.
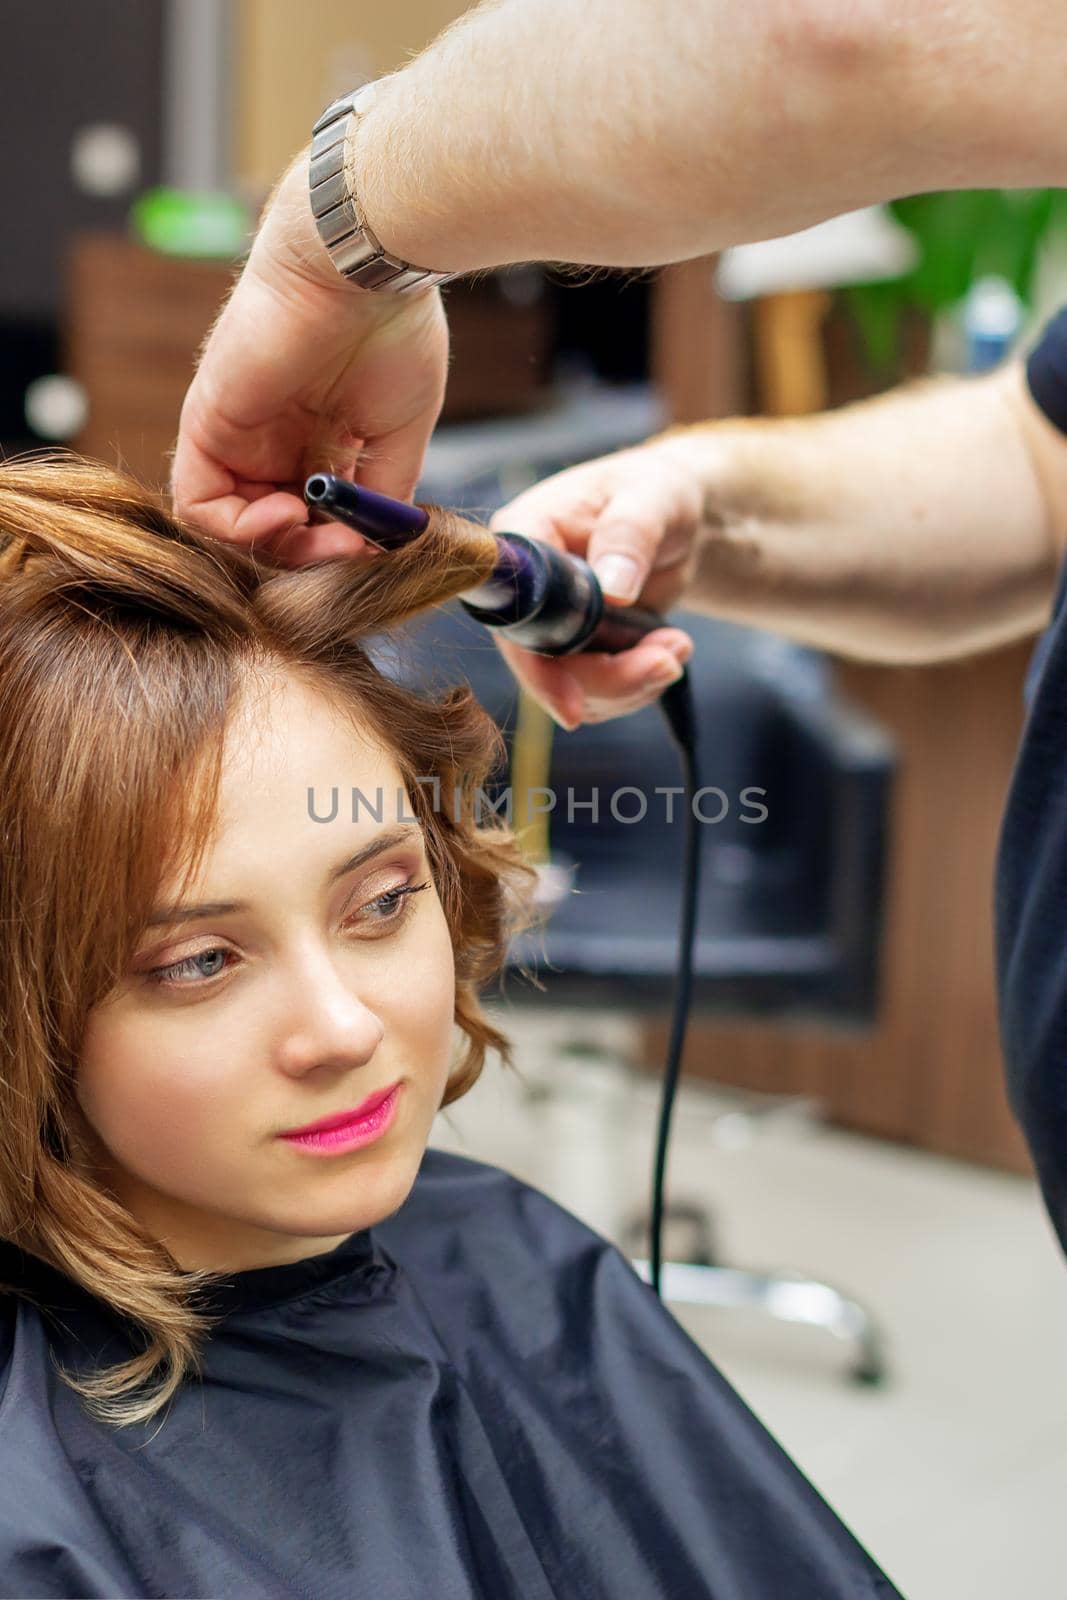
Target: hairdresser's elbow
[838, 39]
[851, 72]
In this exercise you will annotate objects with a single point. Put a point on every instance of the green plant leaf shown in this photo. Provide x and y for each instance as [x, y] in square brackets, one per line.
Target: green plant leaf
[961, 236]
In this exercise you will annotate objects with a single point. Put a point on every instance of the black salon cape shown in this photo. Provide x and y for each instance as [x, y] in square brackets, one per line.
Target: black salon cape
[477, 1398]
[1031, 869]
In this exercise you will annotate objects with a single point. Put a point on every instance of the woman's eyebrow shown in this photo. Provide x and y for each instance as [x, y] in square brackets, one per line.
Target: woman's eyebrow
[385, 840]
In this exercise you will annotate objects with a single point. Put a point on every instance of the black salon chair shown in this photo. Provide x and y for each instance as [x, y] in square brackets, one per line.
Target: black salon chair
[790, 907]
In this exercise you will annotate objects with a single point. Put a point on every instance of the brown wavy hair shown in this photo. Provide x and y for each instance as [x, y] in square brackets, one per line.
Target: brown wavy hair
[125, 638]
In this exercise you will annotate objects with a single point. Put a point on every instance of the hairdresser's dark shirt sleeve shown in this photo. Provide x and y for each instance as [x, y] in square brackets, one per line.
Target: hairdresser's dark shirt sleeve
[1031, 871]
[1046, 371]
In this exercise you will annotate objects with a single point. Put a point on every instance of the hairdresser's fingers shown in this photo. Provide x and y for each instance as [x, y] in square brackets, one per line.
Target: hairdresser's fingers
[647, 526]
[560, 510]
[317, 541]
[251, 515]
[546, 681]
[634, 516]
[392, 463]
[298, 369]
[310, 537]
[595, 687]
[275, 524]
[614, 684]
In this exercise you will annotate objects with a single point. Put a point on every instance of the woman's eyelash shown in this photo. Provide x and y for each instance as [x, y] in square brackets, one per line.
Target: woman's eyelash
[395, 897]
[397, 900]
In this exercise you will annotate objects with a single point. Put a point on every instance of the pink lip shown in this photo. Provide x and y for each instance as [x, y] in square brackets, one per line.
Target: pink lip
[343, 1119]
[352, 1134]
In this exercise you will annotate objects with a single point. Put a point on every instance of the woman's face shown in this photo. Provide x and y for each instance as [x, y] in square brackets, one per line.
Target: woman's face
[323, 985]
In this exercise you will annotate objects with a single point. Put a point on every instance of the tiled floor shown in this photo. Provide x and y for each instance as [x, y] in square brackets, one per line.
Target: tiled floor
[954, 1473]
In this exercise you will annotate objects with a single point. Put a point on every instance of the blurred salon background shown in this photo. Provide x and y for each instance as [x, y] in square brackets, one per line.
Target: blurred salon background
[859, 1240]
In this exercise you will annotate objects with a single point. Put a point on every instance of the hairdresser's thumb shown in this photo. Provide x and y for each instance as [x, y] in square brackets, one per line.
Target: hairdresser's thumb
[621, 551]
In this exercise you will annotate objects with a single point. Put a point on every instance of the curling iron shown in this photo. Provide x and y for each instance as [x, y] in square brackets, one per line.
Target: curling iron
[550, 601]
[542, 598]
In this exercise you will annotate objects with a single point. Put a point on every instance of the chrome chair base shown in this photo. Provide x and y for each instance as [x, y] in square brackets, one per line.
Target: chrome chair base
[786, 1297]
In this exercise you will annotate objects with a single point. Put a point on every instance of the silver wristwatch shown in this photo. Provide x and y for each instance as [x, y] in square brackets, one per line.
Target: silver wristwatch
[354, 250]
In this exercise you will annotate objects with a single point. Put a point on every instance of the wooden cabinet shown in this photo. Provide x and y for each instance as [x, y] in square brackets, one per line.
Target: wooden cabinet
[132, 326]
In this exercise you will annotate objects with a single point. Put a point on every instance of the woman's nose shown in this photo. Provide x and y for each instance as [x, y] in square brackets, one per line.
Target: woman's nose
[326, 1020]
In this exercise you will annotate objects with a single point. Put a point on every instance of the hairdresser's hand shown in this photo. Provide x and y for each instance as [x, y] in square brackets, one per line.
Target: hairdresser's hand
[303, 373]
[638, 511]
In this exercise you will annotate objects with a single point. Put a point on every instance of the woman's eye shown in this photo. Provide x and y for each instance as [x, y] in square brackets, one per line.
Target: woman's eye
[388, 909]
[177, 969]
[392, 906]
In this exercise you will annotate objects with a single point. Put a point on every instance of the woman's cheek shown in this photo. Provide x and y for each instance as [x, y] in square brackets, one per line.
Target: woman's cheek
[137, 1093]
[439, 994]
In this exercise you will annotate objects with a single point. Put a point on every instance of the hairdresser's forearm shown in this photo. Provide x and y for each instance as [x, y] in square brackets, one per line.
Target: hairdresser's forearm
[629, 132]
[917, 527]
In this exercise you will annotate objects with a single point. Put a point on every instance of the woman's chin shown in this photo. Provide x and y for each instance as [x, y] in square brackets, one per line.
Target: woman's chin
[361, 1196]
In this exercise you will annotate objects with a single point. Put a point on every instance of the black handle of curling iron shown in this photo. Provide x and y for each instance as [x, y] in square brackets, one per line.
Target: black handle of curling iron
[550, 601]
[620, 627]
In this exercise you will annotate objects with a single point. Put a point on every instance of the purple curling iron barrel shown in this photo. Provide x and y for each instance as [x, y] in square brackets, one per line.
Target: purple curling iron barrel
[542, 598]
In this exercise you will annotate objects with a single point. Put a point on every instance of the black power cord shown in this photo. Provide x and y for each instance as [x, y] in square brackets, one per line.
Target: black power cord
[678, 709]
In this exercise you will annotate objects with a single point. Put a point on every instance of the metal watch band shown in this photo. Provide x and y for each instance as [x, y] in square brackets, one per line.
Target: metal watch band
[354, 250]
